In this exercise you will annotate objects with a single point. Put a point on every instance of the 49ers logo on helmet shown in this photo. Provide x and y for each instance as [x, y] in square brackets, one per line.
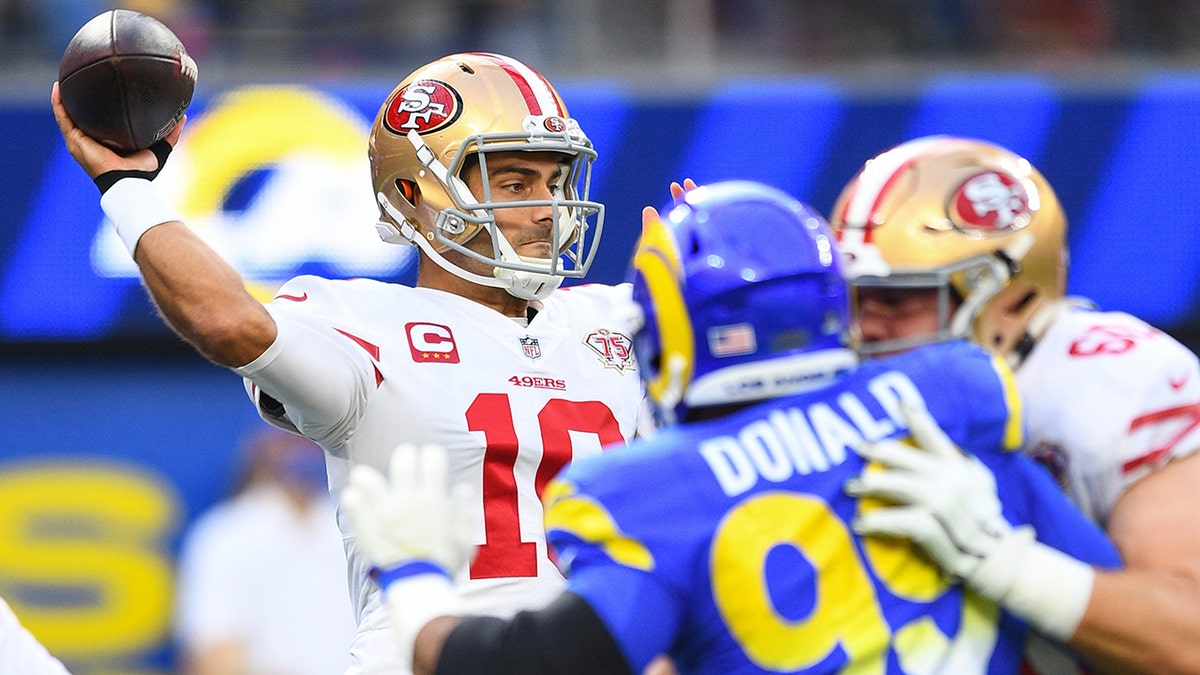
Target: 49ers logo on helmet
[423, 106]
[555, 124]
[990, 202]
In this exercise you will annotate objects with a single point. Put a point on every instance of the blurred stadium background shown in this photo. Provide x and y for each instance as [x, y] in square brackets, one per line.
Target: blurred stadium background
[117, 435]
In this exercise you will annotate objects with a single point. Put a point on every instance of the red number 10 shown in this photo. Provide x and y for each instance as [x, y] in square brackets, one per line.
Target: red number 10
[504, 554]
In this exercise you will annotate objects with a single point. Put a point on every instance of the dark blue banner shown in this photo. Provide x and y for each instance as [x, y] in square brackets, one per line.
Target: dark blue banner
[276, 179]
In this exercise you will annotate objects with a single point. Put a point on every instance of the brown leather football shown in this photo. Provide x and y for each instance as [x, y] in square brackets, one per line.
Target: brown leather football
[126, 79]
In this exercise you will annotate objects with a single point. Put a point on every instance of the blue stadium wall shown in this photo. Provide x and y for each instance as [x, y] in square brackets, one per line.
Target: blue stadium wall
[117, 436]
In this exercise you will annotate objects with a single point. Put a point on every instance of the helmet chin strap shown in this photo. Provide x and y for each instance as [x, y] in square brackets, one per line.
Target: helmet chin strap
[1002, 264]
[430, 161]
[523, 285]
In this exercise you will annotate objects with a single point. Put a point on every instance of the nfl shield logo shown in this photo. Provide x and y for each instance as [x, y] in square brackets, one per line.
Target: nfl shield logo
[531, 347]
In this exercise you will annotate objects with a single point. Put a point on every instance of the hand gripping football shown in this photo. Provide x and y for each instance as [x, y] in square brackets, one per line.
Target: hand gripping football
[126, 80]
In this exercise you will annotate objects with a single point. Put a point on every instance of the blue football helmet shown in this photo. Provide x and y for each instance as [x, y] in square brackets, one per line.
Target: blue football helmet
[742, 299]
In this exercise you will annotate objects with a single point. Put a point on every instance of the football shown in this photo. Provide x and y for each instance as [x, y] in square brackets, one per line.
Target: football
[126, 80]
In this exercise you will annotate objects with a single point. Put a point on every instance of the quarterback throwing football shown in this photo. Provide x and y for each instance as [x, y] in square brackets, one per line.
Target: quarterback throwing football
[475, 161]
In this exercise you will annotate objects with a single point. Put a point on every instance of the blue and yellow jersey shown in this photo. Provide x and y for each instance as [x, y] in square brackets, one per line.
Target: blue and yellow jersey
[728, 545]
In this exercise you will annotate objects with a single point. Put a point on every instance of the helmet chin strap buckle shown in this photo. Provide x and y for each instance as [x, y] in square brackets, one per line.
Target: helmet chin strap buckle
[389, 234]
[389, 231]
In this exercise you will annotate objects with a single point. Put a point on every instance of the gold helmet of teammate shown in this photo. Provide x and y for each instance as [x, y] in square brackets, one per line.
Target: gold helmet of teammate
[967, 217]
[447, 116]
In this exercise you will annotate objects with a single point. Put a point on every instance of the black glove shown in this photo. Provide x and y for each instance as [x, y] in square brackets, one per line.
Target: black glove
[161, 150]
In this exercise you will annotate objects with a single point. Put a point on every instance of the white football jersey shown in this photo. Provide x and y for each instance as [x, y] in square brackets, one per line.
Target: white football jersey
[360, 366]
[1109, 399]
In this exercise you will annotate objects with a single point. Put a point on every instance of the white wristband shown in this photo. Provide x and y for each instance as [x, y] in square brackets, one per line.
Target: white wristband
[134, 206]
[1051, 591]
[414, 601]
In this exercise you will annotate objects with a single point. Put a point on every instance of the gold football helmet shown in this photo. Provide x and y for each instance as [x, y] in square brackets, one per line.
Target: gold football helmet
[449, 115]
[967, 217]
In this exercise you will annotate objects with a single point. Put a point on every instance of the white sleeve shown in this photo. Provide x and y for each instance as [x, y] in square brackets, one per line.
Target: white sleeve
[320, 376]
[20, 652]
[1110, 399]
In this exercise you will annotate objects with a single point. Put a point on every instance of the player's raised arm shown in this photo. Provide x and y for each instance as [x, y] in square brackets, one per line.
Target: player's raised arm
[946, 502]
[199, 294]
[951, 510]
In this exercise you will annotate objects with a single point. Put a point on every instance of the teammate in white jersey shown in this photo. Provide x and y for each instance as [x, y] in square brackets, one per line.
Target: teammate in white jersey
[475, 161]
[950, 237]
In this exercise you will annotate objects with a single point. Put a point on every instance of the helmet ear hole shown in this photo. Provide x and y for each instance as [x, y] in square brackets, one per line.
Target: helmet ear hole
[1017, 310]
[1019, 306]
[408, 190]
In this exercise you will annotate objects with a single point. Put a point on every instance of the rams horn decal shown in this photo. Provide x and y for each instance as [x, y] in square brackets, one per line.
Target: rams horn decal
[658, 262]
